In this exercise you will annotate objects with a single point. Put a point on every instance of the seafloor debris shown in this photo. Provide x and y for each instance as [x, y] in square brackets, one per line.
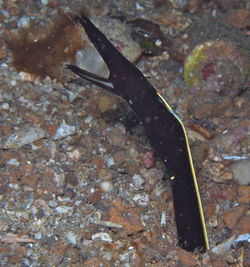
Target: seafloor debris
[49, 46]
[105, 237]
[230, 243]
[64, 130]
[23, 136]
[241, 172]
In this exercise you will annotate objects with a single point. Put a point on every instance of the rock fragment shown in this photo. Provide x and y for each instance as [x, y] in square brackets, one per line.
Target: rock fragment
[23, 136]
[241, 172]
[64, 130]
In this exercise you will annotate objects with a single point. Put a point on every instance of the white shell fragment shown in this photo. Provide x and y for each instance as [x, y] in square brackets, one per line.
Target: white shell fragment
[141, 200]
[231, 242]
[108, 224]
[24, 22]
[109, 161]
[163, 219]
[23, 137]
[107, 186]
[102, 236]
[138, 181]
[71, 237]
[64, 130]
[64, 209]
[13, 162]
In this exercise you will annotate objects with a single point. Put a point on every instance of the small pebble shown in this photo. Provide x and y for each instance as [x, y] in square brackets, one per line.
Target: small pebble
[138, 181]
[127, 256]
[64, 209]
[109, 161]
[38, 235]
[163, 219]
[44, 2]
[158, 42]
[24, 22]
[241, 172]
[5, 106]
[106, 186]
[141, 199]
[64, 130]
[13, 82]
[13, 162]
[88, 119]
[75, 155]
[52, 203]
[28, 77]
[72, 238]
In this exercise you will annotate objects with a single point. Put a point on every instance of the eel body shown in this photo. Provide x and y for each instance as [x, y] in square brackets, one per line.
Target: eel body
[164, 130]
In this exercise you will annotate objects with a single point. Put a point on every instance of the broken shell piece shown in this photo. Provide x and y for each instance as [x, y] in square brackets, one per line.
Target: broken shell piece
[102, 237]
[231, 242]
[64, 130]
[108, 224]
[23, 136]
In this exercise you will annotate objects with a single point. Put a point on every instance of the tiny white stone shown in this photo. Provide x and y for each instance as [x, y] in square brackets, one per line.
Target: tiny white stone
[52, 203]
[38, 235]
[28, 77]
[64, 130]
[158, 42]
[44, 2]
[13, 162]
[137, 180]
[217, 159]
[13, 82]
[141, 200]
[5, 106]
[64, 209]
[109, 161]
[185, 36]
[24, 22]
[75, 155]
[71, 238]
[107, 186]
[139, 6]
[88, 119]
[163, 218]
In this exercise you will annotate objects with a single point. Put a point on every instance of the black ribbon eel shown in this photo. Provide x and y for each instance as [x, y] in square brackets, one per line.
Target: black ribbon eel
[164, 130]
